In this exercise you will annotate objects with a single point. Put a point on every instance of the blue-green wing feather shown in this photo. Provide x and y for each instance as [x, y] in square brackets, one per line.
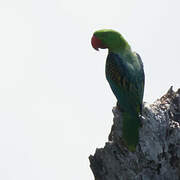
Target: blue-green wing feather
[127, 83]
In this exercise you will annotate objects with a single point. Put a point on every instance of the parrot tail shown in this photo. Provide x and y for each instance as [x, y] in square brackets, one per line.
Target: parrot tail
[130, 131]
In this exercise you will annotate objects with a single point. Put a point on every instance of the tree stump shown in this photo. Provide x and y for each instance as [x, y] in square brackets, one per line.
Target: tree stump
[157, 156]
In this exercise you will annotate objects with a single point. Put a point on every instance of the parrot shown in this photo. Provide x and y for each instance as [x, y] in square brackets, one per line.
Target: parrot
[124, 72]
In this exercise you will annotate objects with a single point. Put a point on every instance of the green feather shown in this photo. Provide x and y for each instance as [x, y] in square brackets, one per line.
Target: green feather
[125, 74]
[131, 125]
[113, 40]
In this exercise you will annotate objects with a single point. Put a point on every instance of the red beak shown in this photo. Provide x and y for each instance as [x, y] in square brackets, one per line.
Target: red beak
[95, 43]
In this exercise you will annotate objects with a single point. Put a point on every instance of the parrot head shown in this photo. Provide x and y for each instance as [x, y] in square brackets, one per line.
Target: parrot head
[108, 38]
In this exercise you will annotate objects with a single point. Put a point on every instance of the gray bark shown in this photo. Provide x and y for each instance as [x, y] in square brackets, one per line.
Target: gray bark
[157, 155]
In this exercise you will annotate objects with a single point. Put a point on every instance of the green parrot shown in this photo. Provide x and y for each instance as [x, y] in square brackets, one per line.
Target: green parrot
[125, 75]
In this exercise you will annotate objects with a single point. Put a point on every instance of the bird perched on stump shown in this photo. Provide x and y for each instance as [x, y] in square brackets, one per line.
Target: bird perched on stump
[125, 74]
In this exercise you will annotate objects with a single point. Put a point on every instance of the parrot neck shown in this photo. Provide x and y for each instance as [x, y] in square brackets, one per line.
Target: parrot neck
[123, 52]
[121, 48]
[127, 56]
[119, 45]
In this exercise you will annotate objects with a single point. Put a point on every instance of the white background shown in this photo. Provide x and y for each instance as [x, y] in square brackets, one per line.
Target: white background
[55, 103]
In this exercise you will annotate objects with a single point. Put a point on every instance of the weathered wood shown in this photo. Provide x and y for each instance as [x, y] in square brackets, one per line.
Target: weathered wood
[157, 155]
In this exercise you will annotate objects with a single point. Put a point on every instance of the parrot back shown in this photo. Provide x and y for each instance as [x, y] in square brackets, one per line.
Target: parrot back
[127, 84]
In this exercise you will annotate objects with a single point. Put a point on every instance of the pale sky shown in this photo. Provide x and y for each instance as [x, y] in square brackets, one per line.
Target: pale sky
[55, 103]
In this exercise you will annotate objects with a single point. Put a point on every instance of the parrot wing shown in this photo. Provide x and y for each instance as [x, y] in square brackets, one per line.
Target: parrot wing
[125, 82]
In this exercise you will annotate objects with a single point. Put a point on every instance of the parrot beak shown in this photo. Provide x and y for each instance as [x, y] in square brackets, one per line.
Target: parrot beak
[94, 43]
